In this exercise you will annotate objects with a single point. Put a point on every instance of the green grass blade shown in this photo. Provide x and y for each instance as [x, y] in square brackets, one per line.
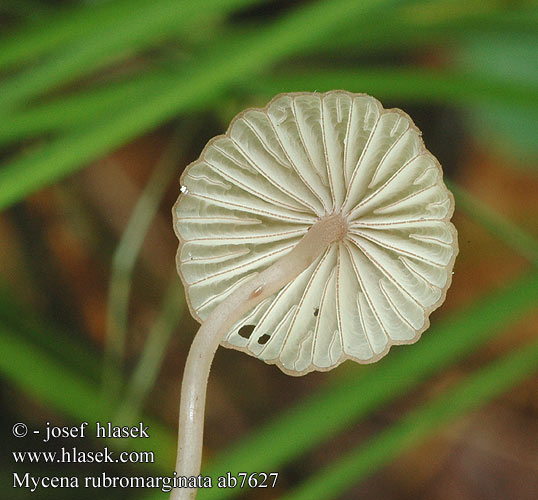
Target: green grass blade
[202, 81]
[139, 26]
[44, 377]
[62, 345]
[476, 390]
[147, 368]
[433, 23]
[69, 392]
[123, 263]
[58, 27]
[496, 223]
[410, 84]
[74, 111]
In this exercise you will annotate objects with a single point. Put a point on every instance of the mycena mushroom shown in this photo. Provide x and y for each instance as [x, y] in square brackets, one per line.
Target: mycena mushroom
[316, 230]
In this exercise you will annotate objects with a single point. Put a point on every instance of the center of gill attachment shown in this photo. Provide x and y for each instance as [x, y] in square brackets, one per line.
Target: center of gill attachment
[333, 227]
[325, 231]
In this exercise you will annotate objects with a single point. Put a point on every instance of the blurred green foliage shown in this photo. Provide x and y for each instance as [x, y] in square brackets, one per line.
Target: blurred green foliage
[77, 81]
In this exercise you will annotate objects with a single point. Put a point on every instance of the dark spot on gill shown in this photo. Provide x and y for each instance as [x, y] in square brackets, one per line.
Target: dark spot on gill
[264, 339]
[316, 311]
[246, 331]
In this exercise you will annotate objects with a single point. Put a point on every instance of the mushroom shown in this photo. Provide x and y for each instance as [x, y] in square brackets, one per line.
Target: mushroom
[315, 230]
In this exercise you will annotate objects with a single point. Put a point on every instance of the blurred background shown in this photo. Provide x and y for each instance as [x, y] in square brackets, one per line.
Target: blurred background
[103, 103]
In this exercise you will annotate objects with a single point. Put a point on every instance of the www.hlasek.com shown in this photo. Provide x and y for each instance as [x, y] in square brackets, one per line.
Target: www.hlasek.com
[73, 455]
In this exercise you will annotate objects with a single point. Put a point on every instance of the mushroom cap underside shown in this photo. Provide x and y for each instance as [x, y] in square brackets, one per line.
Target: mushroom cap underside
[256, 190]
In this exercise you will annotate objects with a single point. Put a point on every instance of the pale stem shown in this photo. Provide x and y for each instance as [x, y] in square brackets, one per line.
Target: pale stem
[193, 389]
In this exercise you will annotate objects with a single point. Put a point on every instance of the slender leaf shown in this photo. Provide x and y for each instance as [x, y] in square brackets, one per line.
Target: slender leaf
[54, 28]
[73, 111]
[69, 392]
[62, 345]
[496, 223]
[203, 80]
[473, 392]
[437, 23]
[510, 56]
[412, 84]
[121, 30]
[147, 369]
[401, 26]
[124, 260]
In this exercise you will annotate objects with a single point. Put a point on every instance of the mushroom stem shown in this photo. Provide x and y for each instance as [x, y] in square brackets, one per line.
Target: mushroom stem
[325, 231]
